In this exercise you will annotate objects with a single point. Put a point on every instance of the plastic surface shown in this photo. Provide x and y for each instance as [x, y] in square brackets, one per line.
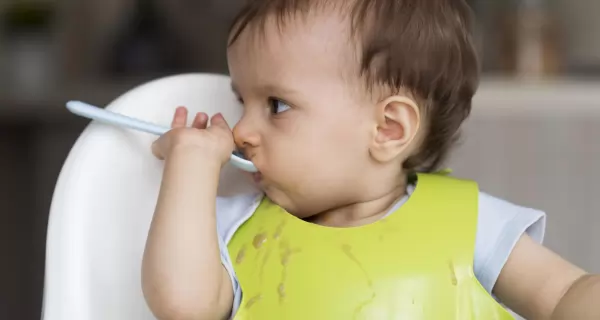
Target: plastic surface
[109, 117]
[105, 197]
[416, 263]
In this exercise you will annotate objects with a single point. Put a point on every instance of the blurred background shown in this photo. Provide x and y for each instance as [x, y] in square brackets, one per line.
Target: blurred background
[531, 138]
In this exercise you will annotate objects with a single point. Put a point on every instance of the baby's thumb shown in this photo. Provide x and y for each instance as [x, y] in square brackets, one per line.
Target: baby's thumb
[156, 150]
[219, 121]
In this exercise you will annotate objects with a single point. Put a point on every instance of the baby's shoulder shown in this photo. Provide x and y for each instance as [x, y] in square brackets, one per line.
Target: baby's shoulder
[498, 216]
[500, 224]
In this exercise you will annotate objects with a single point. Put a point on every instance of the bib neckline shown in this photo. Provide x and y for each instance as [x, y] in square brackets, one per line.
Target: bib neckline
[412, 201]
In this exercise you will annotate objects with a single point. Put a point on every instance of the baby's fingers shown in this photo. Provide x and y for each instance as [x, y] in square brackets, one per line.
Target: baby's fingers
[179, 118]
[200, 121]
[219, 121]
[157, 150]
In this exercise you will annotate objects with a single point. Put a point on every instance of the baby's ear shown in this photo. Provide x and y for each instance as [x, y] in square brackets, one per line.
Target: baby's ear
[398, 122]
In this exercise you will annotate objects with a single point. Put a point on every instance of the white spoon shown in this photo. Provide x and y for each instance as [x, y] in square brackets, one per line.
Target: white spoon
[102, 115]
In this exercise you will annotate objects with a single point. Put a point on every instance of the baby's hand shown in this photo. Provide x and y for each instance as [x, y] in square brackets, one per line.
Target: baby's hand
[215, 140]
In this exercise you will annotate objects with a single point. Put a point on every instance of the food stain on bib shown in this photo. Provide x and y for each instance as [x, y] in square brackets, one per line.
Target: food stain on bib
[281, 292]
[281, 287]
[279, 230]
[453, 279]
[259, 240]
[240, 256]
[348, 252]
[253, 300]
[285, 255]
[347, 249]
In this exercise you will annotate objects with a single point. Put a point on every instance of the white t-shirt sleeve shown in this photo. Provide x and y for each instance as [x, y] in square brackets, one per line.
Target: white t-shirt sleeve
[232, 212]
[500, 225]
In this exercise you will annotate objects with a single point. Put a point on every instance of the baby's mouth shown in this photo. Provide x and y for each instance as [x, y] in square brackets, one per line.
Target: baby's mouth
[256, 176]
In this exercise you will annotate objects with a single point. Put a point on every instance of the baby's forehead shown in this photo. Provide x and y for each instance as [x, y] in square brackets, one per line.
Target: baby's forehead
[326, 29]
[321, 41]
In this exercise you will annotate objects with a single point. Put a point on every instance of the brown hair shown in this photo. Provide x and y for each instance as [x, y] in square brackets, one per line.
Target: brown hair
[424, 46]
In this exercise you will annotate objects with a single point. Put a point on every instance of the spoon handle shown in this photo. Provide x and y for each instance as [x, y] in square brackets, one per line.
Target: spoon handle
[106, 116]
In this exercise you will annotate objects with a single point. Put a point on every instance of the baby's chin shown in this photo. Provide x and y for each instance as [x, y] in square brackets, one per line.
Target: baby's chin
[283, 201]
[277, 195]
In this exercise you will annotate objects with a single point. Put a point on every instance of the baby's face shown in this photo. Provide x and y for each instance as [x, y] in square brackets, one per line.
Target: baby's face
[306, 123]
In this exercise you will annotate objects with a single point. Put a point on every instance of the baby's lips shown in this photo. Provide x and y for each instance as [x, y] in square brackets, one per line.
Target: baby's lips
[257, 178]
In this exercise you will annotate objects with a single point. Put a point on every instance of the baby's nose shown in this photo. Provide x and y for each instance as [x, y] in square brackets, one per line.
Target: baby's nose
[245, 136]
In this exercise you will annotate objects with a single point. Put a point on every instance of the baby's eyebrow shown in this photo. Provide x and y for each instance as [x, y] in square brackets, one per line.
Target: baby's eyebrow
[277, 90]
[267, 89]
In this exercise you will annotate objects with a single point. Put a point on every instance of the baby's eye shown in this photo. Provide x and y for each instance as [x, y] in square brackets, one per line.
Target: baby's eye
[278, 106]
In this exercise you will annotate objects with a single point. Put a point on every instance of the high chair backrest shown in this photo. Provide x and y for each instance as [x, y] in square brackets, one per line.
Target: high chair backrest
[105, 197]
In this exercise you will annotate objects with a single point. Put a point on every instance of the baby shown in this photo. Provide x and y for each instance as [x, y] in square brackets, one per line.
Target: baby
[350, 108]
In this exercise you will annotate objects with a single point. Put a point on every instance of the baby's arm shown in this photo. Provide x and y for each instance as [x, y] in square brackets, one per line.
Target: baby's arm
[183, 277]
[538, 284]
[182, 274]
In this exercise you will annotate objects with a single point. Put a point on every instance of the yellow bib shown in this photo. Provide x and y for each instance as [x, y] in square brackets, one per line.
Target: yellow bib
[416, 263]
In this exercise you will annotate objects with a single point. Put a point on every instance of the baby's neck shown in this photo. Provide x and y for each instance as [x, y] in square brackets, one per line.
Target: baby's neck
[361, 213]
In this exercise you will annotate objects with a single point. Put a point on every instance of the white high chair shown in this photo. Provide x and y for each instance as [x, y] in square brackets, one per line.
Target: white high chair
[105, 197]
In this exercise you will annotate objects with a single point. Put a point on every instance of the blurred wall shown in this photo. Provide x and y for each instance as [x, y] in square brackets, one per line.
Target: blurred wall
[580, 23]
